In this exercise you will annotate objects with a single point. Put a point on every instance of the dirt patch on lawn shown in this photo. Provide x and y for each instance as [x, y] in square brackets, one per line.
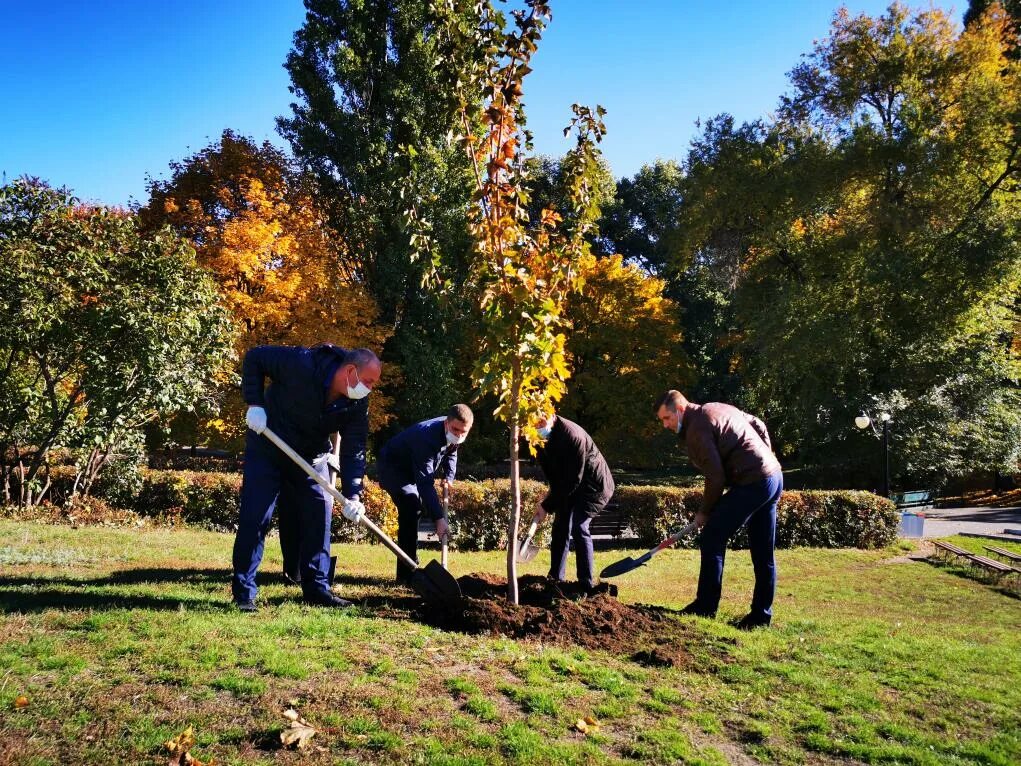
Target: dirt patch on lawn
[565, 614]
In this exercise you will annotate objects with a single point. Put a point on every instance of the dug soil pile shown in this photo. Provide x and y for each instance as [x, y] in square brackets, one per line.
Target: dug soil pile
[563, 614]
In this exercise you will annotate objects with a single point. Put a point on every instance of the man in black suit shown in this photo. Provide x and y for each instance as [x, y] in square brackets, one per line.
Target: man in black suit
[580, 486]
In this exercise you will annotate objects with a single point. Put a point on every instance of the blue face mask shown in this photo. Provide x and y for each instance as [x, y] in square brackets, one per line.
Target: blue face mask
[544, 432]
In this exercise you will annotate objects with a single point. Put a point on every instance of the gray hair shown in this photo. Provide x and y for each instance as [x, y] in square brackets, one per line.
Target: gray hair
[360, 357]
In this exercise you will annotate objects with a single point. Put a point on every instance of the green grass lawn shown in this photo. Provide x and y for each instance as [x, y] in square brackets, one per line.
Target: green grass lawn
[121, 638]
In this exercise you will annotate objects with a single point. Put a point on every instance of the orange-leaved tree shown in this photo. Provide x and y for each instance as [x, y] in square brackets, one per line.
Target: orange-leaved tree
[524, 274]
[256, 226]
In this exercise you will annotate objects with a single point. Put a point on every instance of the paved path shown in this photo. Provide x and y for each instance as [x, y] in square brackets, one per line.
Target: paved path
[944, 522]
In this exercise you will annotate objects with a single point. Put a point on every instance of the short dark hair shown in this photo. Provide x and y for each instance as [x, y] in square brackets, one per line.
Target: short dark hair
[360, 357]
[673, 400]
[461, 412]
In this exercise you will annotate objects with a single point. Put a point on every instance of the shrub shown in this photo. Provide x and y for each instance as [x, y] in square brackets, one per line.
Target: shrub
[823, 519]
[479, 511]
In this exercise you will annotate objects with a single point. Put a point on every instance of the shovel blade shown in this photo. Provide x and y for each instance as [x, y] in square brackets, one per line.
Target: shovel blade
[437, 586]
[624, 565]
[527, 553]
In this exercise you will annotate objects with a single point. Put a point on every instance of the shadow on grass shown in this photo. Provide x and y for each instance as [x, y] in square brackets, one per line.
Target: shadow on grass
[20, 593]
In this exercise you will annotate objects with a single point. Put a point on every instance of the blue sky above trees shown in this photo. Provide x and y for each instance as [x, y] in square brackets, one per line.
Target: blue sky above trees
[97, 96]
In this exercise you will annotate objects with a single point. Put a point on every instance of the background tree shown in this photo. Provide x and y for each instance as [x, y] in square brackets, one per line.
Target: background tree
[625, 349]
[282, 275]
[895, 282]
[105, 331]
[370, 121]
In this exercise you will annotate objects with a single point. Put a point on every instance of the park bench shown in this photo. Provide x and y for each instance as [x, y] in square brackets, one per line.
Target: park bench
[920, 498]
[1013, 558]
[951, 549]
[995, 568]
[610, 522]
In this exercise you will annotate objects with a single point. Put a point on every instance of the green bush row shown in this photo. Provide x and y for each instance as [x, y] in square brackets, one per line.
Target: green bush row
[479, 510]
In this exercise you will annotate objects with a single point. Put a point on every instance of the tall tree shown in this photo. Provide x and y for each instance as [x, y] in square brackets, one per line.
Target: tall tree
[371, 121]
[894, 286]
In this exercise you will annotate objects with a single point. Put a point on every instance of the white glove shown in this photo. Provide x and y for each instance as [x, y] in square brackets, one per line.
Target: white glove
[256, 419]
[353, 510]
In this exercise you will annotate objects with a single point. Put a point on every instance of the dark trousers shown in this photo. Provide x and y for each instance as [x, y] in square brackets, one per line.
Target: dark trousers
[567, 524]
[273, 483]
[409, 509]
[754, 504]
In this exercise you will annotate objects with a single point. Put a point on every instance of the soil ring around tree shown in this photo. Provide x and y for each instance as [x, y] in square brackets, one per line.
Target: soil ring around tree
[566, 615]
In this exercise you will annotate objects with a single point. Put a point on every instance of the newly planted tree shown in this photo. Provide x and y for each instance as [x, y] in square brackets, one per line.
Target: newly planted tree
[523, 273]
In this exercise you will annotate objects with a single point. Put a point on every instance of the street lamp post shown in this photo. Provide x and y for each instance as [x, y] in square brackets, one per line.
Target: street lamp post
[863, 421]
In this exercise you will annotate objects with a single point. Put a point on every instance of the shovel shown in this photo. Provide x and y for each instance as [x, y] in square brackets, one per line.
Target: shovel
[626, 565]
[527, 551]
[446, 512]
[432, 582]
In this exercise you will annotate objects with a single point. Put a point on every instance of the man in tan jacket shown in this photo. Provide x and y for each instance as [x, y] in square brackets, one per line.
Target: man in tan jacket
[732, 450]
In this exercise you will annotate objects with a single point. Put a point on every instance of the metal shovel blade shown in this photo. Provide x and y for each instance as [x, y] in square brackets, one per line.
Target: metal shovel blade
[437, 586]
[624, 565]
[527, 552]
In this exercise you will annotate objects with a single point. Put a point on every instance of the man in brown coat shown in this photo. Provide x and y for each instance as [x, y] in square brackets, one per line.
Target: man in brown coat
[732, 450]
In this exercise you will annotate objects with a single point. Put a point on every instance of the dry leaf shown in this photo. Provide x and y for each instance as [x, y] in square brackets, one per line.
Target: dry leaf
[580, 725]
[291, 714]
[591, 721]
[297, 735]
[21, 701]
[182, 743]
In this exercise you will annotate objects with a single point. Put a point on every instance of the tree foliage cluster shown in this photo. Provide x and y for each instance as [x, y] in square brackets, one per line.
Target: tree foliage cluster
[105, 329]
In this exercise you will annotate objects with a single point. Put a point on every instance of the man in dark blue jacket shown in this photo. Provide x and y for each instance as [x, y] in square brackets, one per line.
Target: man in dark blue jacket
[407, 467]
[312, 393]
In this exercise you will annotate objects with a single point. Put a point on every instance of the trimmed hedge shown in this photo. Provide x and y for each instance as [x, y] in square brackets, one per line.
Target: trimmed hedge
[810, 518]
[479, 511]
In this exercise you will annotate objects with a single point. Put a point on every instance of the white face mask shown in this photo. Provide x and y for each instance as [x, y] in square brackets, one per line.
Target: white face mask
[453, 438]
[678, 427]
[358, 391]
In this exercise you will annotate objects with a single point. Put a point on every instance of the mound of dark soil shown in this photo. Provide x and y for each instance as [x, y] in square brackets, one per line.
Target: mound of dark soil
[567, 615]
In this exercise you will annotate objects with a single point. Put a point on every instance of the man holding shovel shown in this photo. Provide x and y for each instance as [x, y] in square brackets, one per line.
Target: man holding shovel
[732, 449]
[407, 467]
[580, 486]
[312, 393]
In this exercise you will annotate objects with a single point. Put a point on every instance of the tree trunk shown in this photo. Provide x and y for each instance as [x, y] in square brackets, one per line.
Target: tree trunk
[515, 488]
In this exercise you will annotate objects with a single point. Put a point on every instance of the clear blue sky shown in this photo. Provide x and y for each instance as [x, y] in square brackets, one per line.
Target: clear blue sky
[98, 95]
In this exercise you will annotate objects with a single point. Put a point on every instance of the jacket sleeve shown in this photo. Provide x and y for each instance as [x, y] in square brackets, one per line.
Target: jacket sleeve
[352, 450]
[760, 429]
[260, 363]
[424, 465]
[564, 466]
[705, 454]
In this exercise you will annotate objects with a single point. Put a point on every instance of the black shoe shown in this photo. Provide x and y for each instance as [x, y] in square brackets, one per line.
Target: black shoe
[292, 578]
[324, 598]
[696, 609]
[752, 621]
[246, 606]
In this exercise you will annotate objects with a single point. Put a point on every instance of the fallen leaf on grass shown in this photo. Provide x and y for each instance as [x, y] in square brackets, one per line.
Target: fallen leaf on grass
[298, 733]
[587, 725]
[179, 747]
[182, 743]
[21, 701]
